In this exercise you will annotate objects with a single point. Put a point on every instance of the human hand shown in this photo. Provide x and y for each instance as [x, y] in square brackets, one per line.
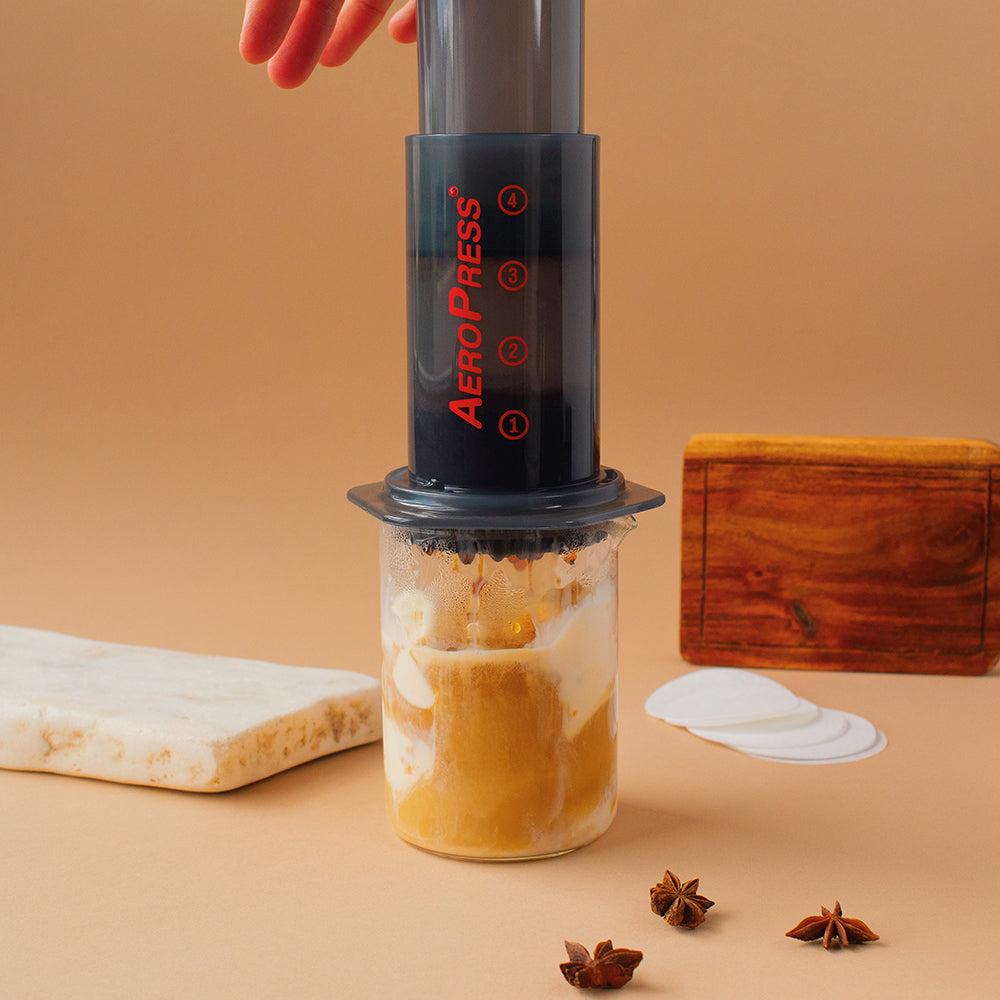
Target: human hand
[294, 36]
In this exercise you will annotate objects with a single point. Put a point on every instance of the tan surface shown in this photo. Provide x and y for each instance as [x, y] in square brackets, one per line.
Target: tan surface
[201, 327]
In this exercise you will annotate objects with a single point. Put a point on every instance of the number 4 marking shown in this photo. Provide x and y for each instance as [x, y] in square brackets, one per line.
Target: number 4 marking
[512, 199]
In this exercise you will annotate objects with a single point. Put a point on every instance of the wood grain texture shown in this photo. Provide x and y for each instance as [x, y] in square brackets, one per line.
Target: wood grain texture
[841, 553]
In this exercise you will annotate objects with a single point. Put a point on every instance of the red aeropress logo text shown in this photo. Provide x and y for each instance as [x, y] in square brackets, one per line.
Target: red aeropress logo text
[470, 337]
[513, 276]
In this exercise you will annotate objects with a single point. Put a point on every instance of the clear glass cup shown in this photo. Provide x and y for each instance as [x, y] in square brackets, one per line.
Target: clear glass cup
[499, 680]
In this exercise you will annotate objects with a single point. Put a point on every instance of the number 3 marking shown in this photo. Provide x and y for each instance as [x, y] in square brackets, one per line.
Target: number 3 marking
[512, 275]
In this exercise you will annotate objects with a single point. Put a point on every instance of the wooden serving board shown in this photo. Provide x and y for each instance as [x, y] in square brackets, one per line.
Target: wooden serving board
[878, 554]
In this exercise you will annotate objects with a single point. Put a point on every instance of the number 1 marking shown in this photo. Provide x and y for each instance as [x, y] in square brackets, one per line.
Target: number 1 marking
[514, 425]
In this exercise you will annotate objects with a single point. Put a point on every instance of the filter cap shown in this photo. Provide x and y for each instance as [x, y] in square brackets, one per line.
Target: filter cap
[400, 499]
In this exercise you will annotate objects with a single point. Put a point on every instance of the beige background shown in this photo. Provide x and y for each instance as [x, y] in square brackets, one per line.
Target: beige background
[202, 348]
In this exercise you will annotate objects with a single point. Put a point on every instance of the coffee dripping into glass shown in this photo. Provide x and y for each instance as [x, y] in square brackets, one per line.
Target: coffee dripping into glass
[499, 539]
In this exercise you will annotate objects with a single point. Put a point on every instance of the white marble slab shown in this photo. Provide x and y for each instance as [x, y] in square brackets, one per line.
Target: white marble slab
[176, 720]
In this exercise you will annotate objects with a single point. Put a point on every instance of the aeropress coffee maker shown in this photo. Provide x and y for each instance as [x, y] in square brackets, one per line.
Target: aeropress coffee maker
[499, 540]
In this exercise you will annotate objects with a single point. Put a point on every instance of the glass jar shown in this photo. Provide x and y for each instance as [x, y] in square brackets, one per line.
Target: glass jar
[499, 686]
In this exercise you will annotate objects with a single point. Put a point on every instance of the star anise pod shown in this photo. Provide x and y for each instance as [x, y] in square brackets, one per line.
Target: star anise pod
[610, 968]
[679, 903]
[833, 926]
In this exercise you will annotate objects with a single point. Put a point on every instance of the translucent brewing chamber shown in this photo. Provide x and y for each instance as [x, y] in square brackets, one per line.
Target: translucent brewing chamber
[499, 682]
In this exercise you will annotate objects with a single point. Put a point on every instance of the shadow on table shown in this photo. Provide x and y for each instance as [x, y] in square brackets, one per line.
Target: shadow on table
[356, 771]
[639, 824]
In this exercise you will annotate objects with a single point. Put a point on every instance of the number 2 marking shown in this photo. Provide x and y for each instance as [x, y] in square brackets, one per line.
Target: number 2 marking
[513, 351]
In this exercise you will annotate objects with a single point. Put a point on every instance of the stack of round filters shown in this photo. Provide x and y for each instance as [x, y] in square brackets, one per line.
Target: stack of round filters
[762, 718]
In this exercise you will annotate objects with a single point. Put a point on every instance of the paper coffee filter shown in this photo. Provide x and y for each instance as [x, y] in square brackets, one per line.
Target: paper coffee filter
[858, 736]
[762, 718]
[877, 747]
[799, 730]
[719, 696]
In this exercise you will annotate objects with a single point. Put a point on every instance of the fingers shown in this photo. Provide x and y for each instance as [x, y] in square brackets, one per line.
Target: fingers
[357, 21]
[296, 35]
[403, 24]
[300, 50]
[265, 24]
